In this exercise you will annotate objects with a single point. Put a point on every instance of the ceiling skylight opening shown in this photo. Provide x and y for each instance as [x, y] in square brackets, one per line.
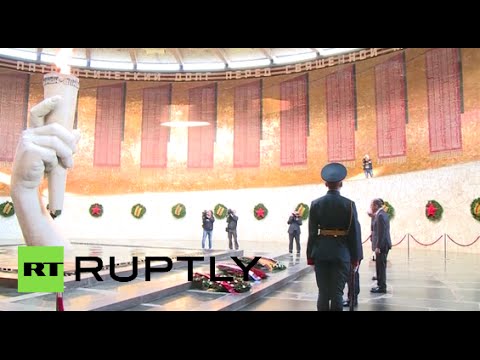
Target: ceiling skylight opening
[248, 63]
[336, 51]
[203, 66]
[113, 65]
[158, 67]
[50, 59]
[19, 54]
[295, 58]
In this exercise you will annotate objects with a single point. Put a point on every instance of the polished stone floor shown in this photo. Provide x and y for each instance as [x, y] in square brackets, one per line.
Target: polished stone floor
[417, 281]
[425, 282]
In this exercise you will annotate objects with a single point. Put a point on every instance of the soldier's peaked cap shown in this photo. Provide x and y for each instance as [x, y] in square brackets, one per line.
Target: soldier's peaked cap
[334, 172]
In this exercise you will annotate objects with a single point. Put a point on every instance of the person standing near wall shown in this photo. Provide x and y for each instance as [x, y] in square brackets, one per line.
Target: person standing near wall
[294, 222]
[207, 224]
[381, 243]
[232, 220]
[367, 166]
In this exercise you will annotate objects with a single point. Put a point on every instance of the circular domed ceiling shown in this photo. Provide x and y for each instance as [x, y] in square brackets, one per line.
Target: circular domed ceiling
[177, 59]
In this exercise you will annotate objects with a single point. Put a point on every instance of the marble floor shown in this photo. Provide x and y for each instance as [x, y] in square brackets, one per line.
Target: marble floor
[418, 280]
[425, 282]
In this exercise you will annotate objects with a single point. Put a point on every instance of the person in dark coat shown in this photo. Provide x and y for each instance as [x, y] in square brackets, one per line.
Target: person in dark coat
[357, 274]
[232, 220]
[294, 222]
[381, 244]
[334, 239]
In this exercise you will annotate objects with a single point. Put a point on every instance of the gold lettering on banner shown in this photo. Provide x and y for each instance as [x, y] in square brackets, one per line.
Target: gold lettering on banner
[315, 64]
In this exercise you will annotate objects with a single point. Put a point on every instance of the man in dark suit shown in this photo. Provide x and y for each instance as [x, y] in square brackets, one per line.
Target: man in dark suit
[381, 243]
[232, 220]
[334, 239]
[295, 221]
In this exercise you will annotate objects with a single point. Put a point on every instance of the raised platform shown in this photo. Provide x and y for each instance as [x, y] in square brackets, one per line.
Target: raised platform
[165, 291]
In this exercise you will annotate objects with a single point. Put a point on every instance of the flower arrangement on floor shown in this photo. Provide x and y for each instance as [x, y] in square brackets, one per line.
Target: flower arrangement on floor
[265, 264]
[203, 282]
[96, 210]
[475, 209]
[260, 211]
[138, 210]
[389, 209]
[433, 210]
[235, 271]
[303, 210]
[220, 211]
[7, 209]
[179, 211]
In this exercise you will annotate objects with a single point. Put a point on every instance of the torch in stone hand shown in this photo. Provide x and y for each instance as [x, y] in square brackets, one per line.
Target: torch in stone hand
[66, 86]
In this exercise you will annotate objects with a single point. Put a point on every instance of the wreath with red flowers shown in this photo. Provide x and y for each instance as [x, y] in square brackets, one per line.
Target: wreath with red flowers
[433, 210]
[220, 211]
[475, 209]
[260, 211]
[7, 209]
[96, 210]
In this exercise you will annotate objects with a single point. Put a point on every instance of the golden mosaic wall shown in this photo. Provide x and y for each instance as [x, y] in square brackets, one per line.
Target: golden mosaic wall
[86, 179]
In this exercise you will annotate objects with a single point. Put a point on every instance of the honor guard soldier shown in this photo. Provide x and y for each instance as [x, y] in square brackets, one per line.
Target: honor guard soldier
[334, 239]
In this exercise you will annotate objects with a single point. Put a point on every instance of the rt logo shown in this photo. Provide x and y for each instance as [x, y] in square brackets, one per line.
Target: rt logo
[40, 269]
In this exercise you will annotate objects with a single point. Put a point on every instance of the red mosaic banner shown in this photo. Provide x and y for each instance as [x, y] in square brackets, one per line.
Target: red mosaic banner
[293, 121]
[202, 107]
[13, 112]
[391, 107]
[340, 94]
[247, 125]
[444, 99]
[109, 124]
[156, 110]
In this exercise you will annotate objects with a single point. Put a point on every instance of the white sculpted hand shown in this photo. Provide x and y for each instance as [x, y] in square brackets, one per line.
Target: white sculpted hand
[40, 149]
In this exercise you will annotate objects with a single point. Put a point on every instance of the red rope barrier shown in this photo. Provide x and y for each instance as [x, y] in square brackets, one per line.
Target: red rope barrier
[368, 238]
[464, 245]
[433, 243]
[400, 241]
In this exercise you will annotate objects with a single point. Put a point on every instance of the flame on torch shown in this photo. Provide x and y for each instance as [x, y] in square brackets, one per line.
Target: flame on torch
[62, 60]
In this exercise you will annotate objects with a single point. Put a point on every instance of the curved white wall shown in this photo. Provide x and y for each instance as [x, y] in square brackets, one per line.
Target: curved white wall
[454, 187]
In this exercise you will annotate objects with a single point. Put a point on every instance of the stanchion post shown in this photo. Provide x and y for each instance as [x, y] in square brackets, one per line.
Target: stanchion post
[445, 246]
[408, 246]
